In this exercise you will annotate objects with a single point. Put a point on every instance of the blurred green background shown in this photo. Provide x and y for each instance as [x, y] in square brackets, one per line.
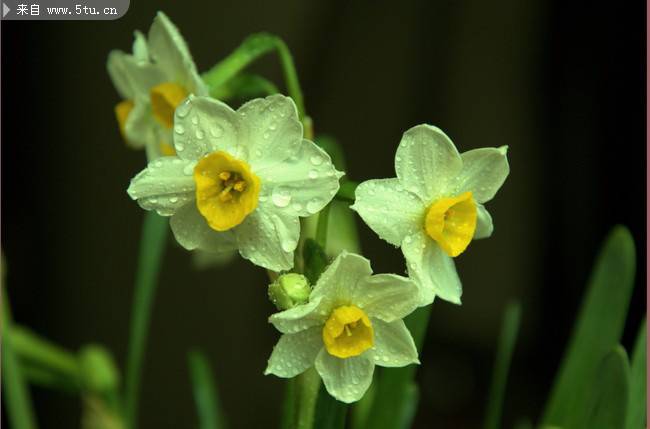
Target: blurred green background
[561, 84]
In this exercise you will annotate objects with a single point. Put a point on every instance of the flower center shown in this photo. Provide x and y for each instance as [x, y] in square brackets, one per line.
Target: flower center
[122, 110]
[451, 222]
[165, 97]
[347, 332]
[226, 190]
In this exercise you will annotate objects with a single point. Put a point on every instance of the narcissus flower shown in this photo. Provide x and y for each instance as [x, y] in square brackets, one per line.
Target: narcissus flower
[352, 322]
[152, 82]
[240, 180]
[434, 207]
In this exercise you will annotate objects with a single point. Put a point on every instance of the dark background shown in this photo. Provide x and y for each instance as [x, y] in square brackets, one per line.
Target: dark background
[561, 83]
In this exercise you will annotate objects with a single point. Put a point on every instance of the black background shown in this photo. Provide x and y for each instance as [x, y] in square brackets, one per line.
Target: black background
[561, 83]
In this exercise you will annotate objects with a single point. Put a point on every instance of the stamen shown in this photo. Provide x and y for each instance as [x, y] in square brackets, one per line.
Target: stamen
[347, 330]
[240, 186]
[224, 175]
[225, 194]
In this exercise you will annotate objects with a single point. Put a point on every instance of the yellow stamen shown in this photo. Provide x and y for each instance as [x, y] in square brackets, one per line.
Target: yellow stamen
[344, 336]
[165, 97]
[226, 190]
[451, 222]
[122, 111]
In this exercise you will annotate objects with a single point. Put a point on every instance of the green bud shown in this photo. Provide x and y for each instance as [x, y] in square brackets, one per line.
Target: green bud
[289, 290]
[98, 370]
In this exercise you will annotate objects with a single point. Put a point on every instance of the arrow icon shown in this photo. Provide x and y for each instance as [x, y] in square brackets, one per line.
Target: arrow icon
[5, 10]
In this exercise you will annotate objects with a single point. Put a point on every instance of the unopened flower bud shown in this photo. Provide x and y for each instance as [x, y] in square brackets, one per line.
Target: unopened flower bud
[289, 290]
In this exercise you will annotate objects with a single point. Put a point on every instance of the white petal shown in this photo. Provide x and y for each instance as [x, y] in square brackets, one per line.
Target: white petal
[142, 76]
[169, 50]
[119, 74]
[295, 353]
[338, 281]
[140, 128]
[427, 161]
[301, 317]
[193, 232]
[393, 344]
[302, 184]
[389, 209]
[386, 296]
[484, 225]
[345, 379]
[484, 171]
[274, 130]
[203, 125]
[165, 185]
[268, 238]
[432, 269]
[140, 48]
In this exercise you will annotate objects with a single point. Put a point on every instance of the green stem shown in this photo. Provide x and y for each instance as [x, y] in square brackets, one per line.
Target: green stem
[44, 354]
[251, 49]
[346, 191]
[308, 385]
[152, 245]
[16, 392]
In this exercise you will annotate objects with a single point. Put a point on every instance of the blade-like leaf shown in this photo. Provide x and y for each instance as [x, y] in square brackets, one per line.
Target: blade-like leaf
[330, 413]
[16, 394]
[597, 330]
[607, 403]
[636, 407]
[391, 397]
[507, 340]
[205, 394]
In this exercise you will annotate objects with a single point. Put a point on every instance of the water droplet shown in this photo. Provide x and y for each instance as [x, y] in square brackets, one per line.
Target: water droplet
[216, 131]
[179, 147]
[273, 126]
[258, 153]
[188, 170]
[179, 129]
[313, 174]
[313, 205]
[296, 206]
[316, 160]
[184, 109]
[195, 119]
[280, 197]
[199, 133]
[289, 245]
[173, 200]
[266, 135]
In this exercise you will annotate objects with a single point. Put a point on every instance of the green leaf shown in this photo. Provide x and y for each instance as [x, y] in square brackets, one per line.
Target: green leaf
[152, 246]
[636, 407]
[315, 260]
[245, 86]
[392, 398]
[507, 341]
[597, 330]
[289, 405]
[16, 395]
[330, 413]
[608, 395]
[208, 407]
[251, 49]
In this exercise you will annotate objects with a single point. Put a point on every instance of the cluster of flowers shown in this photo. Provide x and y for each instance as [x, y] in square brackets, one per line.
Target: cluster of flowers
[241, 179]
